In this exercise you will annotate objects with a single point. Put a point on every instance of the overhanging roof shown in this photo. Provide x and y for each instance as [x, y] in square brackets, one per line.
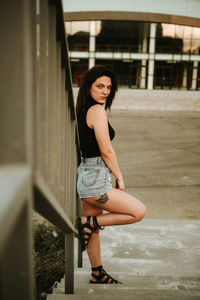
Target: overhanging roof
[185, 12]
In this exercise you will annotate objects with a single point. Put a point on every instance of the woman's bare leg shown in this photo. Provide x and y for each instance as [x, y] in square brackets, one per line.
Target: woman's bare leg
[93, 249]
[123, 208]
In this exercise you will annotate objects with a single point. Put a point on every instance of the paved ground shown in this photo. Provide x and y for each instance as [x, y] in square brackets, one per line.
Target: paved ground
[159, 154]
[165, 100]
[152, 255]
[158, 147]
[154, 259]
[158, 100]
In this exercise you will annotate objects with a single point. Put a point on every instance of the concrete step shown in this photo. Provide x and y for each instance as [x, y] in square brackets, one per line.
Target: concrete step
[133, 287]
[137, 295]
[133, 282]
[155, 259]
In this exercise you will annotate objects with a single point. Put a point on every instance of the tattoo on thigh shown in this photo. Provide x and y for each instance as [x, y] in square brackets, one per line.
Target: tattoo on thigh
[102, 199]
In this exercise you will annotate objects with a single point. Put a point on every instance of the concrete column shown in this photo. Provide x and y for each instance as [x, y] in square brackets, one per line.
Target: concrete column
[92, 45]
[152, 43]
[145, 37]
[143, 74]
[91, 62]
[194, 75]
[144, 61]
[185, 76]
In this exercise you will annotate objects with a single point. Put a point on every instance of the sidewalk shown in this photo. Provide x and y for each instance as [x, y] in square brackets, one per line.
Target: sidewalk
[160, 100]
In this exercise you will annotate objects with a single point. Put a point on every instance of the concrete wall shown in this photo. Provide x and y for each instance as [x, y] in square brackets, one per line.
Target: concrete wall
[186, 12]
[189, 8]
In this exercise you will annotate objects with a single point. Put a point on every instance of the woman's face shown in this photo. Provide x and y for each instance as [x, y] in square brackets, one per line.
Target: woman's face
[100, 89]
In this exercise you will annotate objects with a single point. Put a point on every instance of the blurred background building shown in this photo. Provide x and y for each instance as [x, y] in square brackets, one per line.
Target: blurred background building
[149, 44]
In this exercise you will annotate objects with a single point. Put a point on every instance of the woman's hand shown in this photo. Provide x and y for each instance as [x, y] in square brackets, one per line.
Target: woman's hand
[120, 184]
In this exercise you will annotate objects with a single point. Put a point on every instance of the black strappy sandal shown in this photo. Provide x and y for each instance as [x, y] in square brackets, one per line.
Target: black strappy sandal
[107, 279]
[85, 236]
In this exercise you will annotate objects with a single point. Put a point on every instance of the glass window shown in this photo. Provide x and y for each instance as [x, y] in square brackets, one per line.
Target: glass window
[172, 38]
[167, 75]
[127, 72]
[78, 67]
[122, 36]
[170, 74]
[78, 35]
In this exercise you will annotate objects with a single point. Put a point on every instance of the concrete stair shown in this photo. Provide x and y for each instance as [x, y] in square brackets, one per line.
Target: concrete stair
[155, 259]
[140, 287]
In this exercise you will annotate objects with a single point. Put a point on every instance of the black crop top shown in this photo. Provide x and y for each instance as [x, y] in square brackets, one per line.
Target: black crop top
[88, 142]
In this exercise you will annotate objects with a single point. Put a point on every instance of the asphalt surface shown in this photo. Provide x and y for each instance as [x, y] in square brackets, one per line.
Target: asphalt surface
[159, 155]
[158, 147]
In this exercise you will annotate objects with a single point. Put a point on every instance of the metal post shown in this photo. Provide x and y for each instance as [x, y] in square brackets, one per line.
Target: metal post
[80, 255]
[16, 266]
[69, 263]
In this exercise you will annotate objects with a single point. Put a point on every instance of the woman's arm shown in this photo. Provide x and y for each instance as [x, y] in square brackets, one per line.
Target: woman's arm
[97, 119]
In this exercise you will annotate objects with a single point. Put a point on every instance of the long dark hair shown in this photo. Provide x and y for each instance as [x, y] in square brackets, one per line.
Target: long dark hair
[89, 78]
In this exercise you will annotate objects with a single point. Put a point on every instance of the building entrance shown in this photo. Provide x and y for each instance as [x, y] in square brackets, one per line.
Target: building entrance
[173, 75]
[164, 75]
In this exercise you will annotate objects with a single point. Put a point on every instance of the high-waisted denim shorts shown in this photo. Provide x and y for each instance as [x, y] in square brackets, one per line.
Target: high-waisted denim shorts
[94, 177]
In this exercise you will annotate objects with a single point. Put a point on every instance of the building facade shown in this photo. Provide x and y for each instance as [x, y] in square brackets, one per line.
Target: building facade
[143, 53]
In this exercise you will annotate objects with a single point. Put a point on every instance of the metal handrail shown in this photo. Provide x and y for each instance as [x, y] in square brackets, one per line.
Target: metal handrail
[47, 205]
[26, 177]
[45, 200]
[41, 188]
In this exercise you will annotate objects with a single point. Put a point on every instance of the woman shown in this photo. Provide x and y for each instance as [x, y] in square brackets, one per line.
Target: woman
[99, 160]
